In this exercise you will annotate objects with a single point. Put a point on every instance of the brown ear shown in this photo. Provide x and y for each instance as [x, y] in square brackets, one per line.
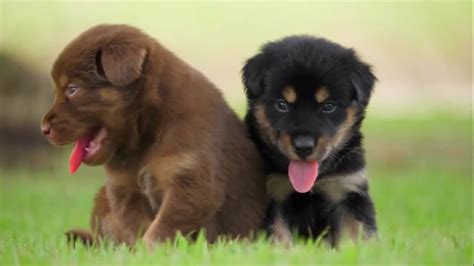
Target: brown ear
[120, 64]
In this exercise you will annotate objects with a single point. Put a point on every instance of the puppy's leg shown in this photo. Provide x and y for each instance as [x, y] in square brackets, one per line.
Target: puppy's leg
[276, 226]
[100, 211]
[281, 233]
[189, 203]
[360, 213]
[130, 215]
[355, 217]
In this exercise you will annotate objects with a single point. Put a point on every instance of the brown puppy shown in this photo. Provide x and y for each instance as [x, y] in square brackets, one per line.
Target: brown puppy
[177, 158]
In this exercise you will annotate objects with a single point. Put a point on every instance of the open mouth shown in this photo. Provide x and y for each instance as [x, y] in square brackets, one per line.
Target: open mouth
[303, 174]
[85, 148]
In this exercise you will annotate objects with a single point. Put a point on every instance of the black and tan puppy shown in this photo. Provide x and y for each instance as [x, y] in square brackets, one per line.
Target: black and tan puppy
[177, 158]
[307, 98]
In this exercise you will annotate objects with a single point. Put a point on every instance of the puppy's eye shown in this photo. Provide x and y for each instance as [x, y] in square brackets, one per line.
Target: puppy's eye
[329, 107]
[71, 89]
[282, 106]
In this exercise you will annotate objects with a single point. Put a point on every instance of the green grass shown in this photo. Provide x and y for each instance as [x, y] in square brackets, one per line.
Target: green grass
[423, 199]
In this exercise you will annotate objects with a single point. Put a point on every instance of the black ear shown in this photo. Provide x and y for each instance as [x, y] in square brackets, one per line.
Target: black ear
[252, 76]
[120, 64]
[363, 81]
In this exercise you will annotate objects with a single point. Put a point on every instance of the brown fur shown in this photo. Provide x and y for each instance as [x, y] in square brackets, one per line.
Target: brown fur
[177, 158]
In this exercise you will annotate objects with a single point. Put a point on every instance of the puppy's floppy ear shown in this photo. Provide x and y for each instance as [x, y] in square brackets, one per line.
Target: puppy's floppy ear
[120, 64]
[363, 81]
[252, 76]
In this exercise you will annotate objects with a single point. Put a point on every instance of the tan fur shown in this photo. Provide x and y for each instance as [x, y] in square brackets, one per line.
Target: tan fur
[343, 133]
[289, 94]
[63, 81]
[281, 233]
[321, 94]
[264, 126]
[337, 187]
[109, 95]
[351, 227]
[173, 165]
[176, 156]
[286, 147]
[278, 187]
[148, 186]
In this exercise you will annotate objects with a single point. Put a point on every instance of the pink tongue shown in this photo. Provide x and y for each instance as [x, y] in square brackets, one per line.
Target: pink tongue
[78, 153]
[302, 175]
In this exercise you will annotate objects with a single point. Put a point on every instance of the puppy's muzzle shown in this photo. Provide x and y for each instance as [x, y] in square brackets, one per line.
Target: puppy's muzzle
[304, 145]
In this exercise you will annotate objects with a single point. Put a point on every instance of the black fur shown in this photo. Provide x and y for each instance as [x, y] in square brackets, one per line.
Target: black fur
[307, 63]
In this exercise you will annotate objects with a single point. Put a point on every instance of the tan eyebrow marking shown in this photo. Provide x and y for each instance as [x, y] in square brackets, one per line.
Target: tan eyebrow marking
[289, 94]
[63, 80]
[321, 94]
[109, 95]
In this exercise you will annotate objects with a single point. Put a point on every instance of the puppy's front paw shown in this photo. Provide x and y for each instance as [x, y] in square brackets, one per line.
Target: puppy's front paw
[149, 242]
[78, 235]
[281, 234]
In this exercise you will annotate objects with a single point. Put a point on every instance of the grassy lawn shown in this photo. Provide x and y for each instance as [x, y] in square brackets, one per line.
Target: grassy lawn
[421, 182]
[420, 166]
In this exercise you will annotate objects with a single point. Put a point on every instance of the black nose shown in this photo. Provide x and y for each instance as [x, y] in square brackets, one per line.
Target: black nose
[304, 145]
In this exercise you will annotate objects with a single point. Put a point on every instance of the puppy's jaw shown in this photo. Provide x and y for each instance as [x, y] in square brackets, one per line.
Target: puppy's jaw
[104, 150]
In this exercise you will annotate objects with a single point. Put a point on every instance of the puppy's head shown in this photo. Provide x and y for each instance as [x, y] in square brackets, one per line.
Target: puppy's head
[97, 79]
[306, 95]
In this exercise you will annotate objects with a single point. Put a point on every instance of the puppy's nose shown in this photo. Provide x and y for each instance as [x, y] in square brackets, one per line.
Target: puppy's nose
[304, 145]
[46, 129]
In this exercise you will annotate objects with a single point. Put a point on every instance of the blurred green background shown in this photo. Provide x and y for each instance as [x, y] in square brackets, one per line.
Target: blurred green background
[418, 128]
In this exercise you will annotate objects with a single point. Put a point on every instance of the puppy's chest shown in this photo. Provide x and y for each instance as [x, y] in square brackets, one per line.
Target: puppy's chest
[335, 188]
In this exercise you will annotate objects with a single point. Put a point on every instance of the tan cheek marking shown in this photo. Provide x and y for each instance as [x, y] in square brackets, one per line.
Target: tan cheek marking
[321, 150]
[278, 187]
[63, 81]
[289, 94]
[264, 126]
[285, 146]
[321, 94]
[344, 130]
